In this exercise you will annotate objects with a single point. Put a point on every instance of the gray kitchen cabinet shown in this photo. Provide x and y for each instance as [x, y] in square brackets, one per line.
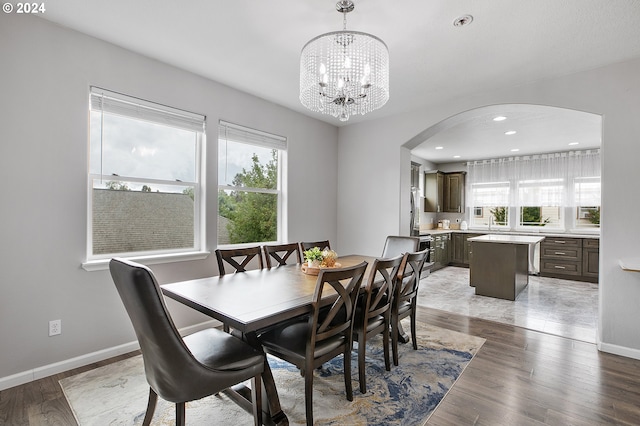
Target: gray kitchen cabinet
[433, 192]
[461, 249]
[454, 192]
[570, 258]
[440, 251]
[591, 257]
[415, 175]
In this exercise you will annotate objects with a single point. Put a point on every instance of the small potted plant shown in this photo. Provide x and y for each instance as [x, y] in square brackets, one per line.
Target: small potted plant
[313, 257]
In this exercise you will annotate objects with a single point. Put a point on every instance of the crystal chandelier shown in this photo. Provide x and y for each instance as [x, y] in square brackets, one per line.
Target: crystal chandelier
[344, 72]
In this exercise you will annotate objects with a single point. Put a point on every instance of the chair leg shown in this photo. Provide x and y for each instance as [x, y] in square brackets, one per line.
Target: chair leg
[180, 414]
[413, 329]
[346, 360]
[385, 347]
[151, 407]
[256, 396]
[394, 340]
[308, 396]
[362, 340]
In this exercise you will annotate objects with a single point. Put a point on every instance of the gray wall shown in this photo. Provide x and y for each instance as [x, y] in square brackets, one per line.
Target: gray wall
[45, 74]
[612, 91]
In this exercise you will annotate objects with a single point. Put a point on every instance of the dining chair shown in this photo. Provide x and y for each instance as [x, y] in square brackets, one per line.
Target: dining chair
[396, 245]
[281, 254]
[405, 298]
[182, 369]
[306, 245]
[373, 312]
[238, 258]
[324, 334]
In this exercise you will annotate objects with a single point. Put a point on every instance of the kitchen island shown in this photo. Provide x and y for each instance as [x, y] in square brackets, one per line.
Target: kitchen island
[499, 264]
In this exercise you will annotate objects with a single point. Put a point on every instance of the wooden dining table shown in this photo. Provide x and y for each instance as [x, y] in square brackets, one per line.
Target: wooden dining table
[252, 301]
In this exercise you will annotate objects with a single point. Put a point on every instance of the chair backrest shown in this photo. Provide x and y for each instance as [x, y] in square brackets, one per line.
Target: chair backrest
[281, 254]
[238, 258]
[396, 245]
[306, 245]
[380, 288]
[407, 288]
[336, 321]
[166, 357]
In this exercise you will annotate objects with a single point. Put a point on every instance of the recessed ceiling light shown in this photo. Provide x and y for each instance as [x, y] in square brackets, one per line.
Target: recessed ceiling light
[439, 147]
[510, 132]
[574, 143]
[515, 150]
[456, 156]
[463, 20]
[499, 118]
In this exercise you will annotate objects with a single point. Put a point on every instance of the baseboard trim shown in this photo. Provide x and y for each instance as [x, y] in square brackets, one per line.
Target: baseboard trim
[619, 350]
[80, 361]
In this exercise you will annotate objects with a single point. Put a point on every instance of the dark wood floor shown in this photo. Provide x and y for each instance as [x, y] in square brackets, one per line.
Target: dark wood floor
[519, 377]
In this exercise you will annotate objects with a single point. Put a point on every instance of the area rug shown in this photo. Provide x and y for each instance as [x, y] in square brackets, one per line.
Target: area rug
[116, 394]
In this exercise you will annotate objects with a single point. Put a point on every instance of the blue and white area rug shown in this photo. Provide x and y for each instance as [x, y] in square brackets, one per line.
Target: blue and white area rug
[116, 394]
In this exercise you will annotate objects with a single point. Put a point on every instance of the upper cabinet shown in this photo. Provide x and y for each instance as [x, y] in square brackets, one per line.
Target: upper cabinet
[444, 192]
[454, 192]
[433, 192]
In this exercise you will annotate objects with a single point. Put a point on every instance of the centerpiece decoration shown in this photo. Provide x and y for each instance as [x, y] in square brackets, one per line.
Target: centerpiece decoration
[315, 259]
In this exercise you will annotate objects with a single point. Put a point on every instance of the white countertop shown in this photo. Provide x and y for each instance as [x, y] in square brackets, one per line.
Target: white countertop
[439, 231]
[507, 239]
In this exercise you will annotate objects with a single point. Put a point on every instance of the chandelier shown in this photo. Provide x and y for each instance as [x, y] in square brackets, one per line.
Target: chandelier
[343, 73]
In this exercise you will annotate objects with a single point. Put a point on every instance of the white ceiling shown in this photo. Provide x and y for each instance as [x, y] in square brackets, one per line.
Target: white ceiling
[254, 45]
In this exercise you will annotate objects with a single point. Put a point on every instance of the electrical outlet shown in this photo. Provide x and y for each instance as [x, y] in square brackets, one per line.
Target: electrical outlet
[55, 327]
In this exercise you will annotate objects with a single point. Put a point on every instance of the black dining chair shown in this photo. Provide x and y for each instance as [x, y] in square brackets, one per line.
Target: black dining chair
[310, 342]
[373, 313]
[281, 253]
[238, 259]
[396, 245]
[405, 298]
[306, 245]
[182, 369]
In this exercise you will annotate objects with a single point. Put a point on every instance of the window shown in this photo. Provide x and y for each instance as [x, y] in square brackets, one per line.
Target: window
[250, 185]
[144, 178]
[541, 203]
[559, 191]
[490, 204]
[587, 201]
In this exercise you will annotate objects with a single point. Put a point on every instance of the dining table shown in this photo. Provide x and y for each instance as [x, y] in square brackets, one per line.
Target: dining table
[255, 300]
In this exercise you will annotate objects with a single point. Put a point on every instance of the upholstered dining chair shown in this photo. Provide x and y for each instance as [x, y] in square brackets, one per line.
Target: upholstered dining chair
[281, 253]
[182, 369]
[306, 245]
[405, 298]
[238, 259]
[396, 245]
[373, 313]
[310, 342]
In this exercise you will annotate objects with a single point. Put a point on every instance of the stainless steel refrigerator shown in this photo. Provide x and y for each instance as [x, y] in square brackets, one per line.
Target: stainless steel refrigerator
[414, 222]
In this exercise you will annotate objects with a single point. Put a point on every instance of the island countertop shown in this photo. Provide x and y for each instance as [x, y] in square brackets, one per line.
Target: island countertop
[507, 239]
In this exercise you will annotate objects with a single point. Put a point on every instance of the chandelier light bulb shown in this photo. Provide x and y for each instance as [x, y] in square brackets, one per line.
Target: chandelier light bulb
[344, 72]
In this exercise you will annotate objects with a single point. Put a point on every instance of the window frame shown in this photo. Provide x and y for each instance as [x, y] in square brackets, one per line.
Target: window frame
[196, 251]
[270, 141]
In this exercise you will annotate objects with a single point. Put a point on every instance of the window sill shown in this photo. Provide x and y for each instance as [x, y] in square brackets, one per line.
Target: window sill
[102, 264]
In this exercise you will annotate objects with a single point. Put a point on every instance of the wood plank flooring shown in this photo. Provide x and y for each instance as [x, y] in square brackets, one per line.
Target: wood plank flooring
[519, 377]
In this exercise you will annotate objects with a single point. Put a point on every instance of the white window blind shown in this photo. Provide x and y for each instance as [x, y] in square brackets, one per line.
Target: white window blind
[127, 106]
[236, 133]
[490, 194]
[587, 192]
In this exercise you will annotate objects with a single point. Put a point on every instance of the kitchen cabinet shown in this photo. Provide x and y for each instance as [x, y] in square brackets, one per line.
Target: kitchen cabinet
[444, 192]
[461, 248]
[440, 251]
[454, 192]
[590, 257]
[433, 192]
[415, 175]
[570, 258]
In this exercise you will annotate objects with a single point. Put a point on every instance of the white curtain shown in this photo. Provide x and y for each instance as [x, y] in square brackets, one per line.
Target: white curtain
[565, 178]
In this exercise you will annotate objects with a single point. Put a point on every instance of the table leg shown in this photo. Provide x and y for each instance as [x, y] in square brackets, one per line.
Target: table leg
[403, 337]
[271, 401]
